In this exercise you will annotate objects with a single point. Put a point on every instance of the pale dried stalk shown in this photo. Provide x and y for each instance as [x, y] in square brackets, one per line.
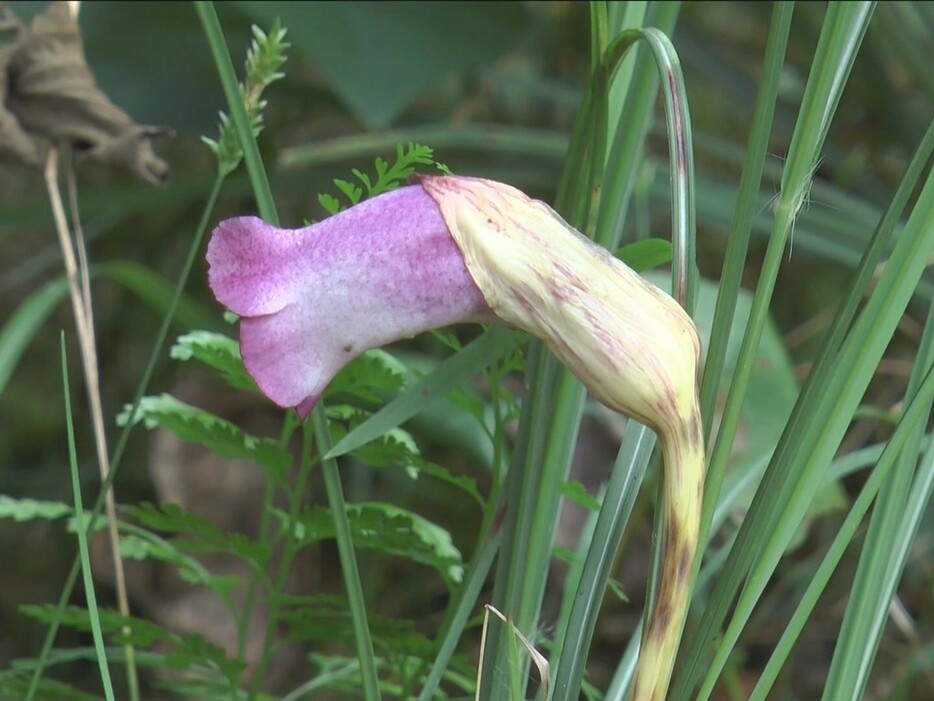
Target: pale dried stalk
[77, 273]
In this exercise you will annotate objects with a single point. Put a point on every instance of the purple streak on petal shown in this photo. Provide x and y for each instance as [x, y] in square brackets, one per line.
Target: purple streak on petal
[313, 299]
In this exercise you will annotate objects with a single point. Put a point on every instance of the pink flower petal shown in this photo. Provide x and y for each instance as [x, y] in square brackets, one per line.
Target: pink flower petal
[313, 299]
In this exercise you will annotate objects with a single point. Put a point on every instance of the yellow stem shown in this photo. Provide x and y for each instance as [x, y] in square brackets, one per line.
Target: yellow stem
[683, 453]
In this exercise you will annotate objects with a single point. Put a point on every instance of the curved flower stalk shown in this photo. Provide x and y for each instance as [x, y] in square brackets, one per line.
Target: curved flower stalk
[453, 249]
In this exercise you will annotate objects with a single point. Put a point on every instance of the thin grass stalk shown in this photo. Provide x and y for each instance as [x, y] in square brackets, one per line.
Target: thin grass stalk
[488, 543]
[880, 563]
[559, 449]
[839, 40]
[269, 491]
[621, 492]
[267, 209]
[521, 493]
[626, 152]
[156, 353]
[292, 545]
[88, 576]
[740, 233]
[805, 409]
[848, 381]
[547, 427]
[684, 280]
[100, 435]
[622, 15]
[558, 420]
[681, 157]
[474, 579]
[917, 409]
[78, 274]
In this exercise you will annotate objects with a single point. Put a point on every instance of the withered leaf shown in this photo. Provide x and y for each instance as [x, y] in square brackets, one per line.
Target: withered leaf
[15, 144]
[49, 94]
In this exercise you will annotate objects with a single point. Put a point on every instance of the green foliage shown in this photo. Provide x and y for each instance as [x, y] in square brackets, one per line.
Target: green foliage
[205, 536]
[264, 58]
[31, 509]
[188, 652]
[199, 426]
[371, 377]
[388, 177]
[216, 351]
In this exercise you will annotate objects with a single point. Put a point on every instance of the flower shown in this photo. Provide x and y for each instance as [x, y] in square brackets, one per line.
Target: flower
[451, 249]
[313, 299]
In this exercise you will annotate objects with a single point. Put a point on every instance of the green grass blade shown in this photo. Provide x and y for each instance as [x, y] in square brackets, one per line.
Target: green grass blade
[82, 535]
[847, 382]
[844, 26]
[228, 77]
[549, 421]
[918, 408]
[22, 326]
[741, 230]
[25, 322]
[158, 345]
[157, 292]
[622, 15]
[621, 492]
[681, 158]
[516, 141]
[623, 488]
[452, 372]
[879, 564]
[474, 579]
[267, 210]
[626, 152]
[559, 448]
[804, 412]
[521, 489]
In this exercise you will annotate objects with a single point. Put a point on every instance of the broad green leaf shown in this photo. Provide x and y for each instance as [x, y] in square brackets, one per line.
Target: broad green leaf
[646, 254]
[378, 58]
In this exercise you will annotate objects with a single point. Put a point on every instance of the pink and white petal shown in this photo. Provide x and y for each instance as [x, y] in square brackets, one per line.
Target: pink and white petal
[315, 298]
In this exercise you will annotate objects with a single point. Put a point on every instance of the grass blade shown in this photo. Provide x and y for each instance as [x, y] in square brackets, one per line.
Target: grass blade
[846, 384]
[918, 408]
[621, 492]
[82, 535]
[880, 563]
[267, 209]
[473, 358]
[843, 29]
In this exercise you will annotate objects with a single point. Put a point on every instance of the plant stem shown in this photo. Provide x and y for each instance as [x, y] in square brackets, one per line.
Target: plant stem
[267, 209]
[78, 276]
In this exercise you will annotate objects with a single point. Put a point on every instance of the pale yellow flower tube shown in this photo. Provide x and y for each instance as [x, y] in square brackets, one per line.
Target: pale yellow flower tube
[633, 347]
